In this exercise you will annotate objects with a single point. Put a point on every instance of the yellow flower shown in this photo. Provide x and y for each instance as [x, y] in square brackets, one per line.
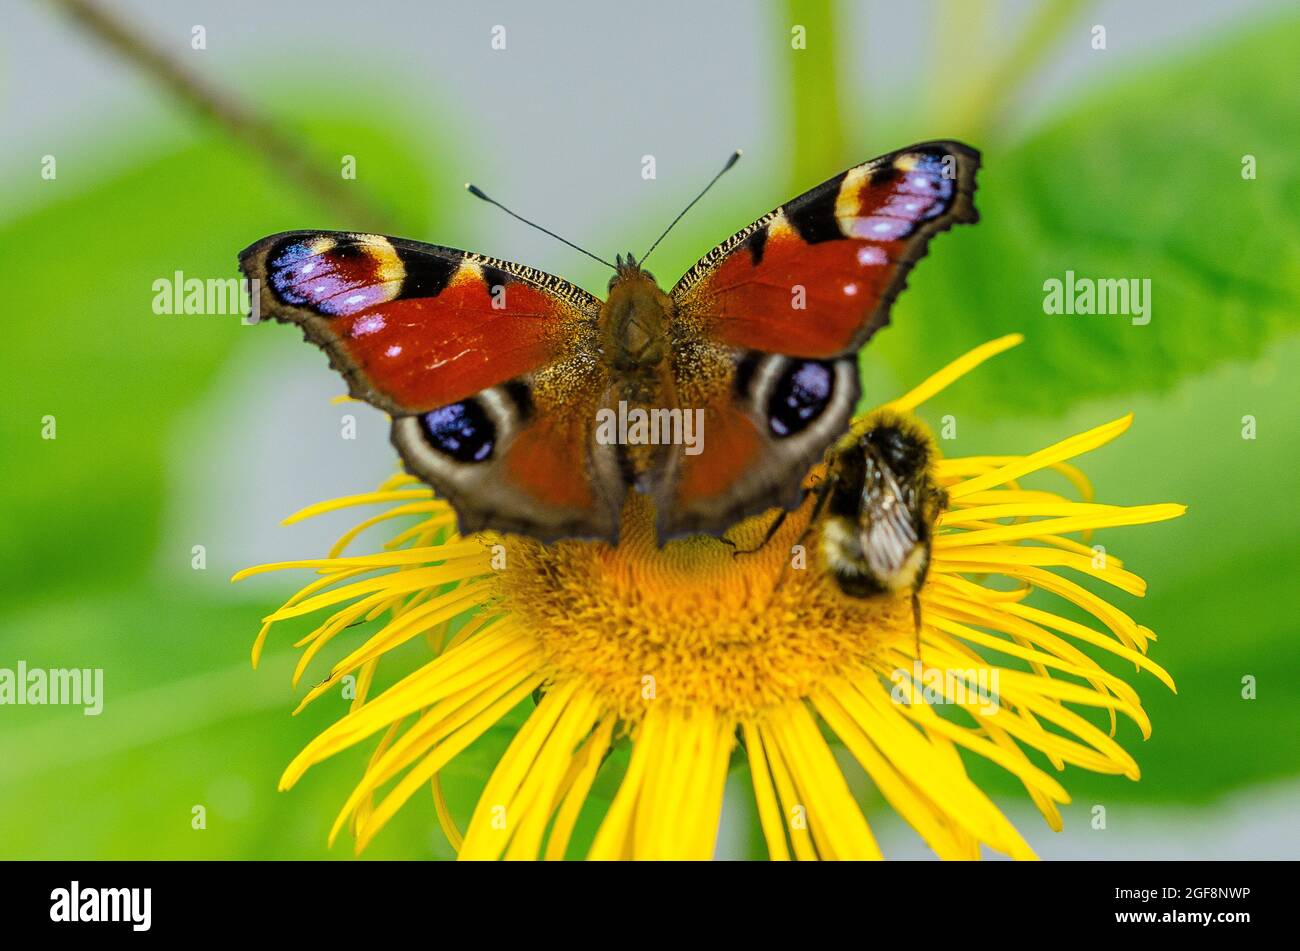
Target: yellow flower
[691, 654]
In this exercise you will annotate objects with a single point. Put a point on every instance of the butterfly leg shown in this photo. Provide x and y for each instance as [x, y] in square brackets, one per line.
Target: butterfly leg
[822, 491]
[819, 488]
[771, 533]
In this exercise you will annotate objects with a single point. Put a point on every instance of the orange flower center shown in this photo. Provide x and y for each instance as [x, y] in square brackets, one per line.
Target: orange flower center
[694, 623]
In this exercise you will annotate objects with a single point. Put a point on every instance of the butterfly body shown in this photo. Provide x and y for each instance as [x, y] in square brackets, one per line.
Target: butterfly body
[636, 346]
[534, 407]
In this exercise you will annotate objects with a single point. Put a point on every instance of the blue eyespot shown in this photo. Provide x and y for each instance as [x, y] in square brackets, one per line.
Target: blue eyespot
[461, 430]
[801, 395]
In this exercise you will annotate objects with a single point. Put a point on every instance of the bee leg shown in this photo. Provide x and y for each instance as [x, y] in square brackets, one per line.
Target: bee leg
[916, 619]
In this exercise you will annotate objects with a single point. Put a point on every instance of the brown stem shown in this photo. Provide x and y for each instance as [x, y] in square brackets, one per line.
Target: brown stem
[256, 131]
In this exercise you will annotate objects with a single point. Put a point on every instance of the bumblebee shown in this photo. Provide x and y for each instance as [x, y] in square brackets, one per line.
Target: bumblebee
[876, 508]
[881, 503]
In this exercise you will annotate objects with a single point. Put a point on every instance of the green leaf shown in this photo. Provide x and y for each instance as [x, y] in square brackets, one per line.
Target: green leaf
[84, 346]
[1140, 180]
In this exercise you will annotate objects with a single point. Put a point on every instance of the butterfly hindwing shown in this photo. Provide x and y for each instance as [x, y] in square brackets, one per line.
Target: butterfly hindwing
[766, 420]
[485, 366]
[519, 457]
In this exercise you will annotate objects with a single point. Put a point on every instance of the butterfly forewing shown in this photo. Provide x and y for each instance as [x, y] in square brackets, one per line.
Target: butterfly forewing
[816, 277]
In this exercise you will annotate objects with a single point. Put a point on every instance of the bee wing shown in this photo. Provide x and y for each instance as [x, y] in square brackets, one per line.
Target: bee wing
[891, 535]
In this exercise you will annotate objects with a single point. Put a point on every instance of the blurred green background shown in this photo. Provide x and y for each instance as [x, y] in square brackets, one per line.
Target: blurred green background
[176, 431]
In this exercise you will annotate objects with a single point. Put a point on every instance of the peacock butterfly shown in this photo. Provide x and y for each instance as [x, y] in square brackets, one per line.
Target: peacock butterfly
[534, 407]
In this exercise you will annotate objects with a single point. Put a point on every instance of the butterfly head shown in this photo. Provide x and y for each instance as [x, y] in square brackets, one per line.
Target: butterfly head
[627, 270]
[635, 318]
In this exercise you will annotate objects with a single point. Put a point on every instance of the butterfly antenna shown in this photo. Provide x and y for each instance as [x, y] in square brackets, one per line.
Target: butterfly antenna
[478, 193]
[735, 157]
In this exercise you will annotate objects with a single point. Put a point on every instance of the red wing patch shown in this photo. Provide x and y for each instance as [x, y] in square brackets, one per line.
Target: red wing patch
[541, 462]
[427, 352]
[816, 277]
[732, 446]
[489, 369]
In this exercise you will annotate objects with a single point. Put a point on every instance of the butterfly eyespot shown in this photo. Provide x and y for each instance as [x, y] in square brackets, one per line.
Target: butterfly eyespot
[462, 431]
[801, 395]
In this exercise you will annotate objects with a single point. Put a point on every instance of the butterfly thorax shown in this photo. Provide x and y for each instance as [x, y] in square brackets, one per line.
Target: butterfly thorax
[634, 333]
[637, 350]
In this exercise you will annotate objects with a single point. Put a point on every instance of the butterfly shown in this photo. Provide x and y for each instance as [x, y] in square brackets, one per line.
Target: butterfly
[534, 408]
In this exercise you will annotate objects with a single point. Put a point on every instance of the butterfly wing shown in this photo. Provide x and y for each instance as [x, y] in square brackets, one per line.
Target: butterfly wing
[486, 367]
[779, 311]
